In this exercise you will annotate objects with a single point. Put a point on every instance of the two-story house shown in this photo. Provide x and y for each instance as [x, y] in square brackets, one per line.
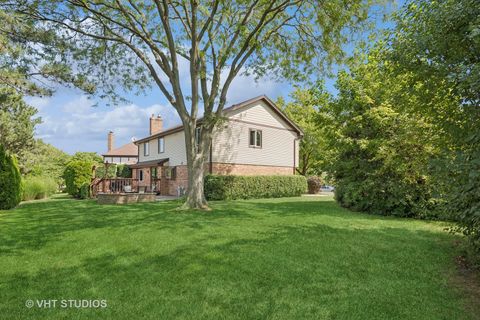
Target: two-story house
[257, 138]
[126, 154]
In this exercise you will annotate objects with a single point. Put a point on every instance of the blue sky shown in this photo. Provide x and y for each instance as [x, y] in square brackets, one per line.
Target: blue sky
[72, 123]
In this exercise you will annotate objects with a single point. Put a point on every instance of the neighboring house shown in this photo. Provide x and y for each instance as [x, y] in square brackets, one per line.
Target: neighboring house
[126, 154]
[257, 138]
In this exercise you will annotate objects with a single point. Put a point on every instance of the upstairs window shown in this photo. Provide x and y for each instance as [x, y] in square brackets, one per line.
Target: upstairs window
[161, 145]
[255, 138]
[146, 148]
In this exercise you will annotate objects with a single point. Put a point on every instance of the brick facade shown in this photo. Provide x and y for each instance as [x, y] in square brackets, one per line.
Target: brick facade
[169, 186]
[249, 170]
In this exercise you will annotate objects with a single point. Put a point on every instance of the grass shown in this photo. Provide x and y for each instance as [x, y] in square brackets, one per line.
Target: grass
[296, 258]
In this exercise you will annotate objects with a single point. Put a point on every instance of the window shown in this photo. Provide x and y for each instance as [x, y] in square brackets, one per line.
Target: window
[154, 172]
[140, 175]
[161, 145]
[146, 148]
[198, 133]
[255, 138]
[171, 173]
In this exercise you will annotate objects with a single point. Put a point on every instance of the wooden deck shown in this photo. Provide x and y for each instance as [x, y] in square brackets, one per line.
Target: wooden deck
[122, 185]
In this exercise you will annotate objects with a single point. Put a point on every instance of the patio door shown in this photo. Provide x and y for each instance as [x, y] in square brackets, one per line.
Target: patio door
[154, 180]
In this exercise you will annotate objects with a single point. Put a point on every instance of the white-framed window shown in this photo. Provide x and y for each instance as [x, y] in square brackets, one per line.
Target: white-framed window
[161, 145]
[146, 148]
[255, 138]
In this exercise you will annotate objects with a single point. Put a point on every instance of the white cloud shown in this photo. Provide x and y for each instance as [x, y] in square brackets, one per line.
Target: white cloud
[82, 127]
[72, 122]
[245, 87]
[38, 102]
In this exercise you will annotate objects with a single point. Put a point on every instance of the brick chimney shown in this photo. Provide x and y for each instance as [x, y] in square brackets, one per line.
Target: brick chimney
[110, 141]
[156, 124]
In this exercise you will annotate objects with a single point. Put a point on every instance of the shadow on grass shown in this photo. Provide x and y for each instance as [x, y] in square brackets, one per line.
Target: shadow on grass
[33, 224]
[292, 272]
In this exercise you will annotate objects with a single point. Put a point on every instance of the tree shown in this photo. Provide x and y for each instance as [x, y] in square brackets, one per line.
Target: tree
[44, 160]
[135, 43]
[77, 174]
[28, 63]
[92, 157]
[381, 153]
[438, 44]
[17, 123]
[303, 109]
[10, 181]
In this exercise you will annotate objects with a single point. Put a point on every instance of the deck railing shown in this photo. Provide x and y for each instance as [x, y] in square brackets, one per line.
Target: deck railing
[120, 185]
[114, 185]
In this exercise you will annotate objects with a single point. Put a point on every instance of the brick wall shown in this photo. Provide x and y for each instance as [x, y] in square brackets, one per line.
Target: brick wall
[249, 170]
[180, 180]
[169, 186]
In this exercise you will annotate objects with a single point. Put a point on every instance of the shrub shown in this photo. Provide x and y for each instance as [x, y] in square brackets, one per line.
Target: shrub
[100, 171]
[84, 191]
[250, 187]
[10, 181]
[124, 171]
[314, 184]
[76, 174]
[38, 188]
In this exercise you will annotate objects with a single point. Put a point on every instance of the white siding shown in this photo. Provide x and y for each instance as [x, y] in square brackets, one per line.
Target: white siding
[231, 140]
[174, 150]
[260, 114]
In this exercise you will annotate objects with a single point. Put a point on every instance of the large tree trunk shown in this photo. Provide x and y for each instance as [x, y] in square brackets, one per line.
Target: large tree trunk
[195, 195]
[196, 159]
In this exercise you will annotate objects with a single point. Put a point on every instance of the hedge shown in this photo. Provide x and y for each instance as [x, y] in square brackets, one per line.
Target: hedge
[38, 188]
[77, 173]
[84, 192]
[251, 187]
[10, 181]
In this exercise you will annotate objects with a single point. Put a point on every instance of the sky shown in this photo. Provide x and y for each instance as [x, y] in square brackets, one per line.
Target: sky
[72, 122]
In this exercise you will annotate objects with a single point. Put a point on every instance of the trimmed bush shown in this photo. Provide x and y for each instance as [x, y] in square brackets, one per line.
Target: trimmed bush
[84, 191]
[38, 188]
[10, 181]
[76, 174]
[251, 187]
[314, 184]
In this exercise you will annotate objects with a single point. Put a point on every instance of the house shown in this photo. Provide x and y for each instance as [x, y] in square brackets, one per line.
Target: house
[126, 154]
[256, 138]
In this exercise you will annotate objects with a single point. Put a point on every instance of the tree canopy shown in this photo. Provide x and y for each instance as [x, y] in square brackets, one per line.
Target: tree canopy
[303, 110]
[17, 123]
[134, 44]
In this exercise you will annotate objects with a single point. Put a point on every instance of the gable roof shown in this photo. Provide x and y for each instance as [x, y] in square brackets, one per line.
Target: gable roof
[234, 107]
[127, 150]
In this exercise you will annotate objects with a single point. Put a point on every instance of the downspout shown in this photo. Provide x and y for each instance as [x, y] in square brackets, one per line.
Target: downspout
[210, 169]
[294, 154]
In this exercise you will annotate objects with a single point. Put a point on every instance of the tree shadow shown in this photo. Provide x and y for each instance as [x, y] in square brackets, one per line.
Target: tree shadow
[290, 272]
[32, 225]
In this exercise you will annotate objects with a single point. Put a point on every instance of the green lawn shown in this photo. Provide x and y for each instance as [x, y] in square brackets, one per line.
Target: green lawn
[298, 258]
